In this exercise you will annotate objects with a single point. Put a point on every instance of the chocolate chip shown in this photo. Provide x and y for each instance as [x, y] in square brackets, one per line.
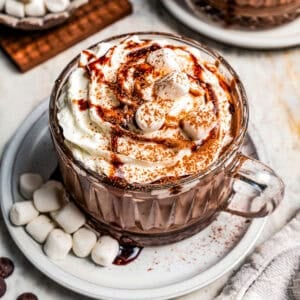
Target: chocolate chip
[2, 287]
[27, 296]
[6, 267]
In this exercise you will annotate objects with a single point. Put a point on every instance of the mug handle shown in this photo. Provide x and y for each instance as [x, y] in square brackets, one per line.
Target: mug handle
[263, 179]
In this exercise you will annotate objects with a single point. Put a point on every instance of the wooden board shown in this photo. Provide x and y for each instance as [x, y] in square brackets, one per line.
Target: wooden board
[28, 49]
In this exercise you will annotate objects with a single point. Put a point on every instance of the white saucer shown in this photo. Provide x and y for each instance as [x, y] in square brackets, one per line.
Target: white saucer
[287, 35]
[159, 272]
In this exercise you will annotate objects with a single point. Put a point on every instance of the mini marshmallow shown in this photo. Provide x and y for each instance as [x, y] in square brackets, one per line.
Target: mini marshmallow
[35, 8]
[164, 60]
[15, 8]
[56, 6]
[150, 117]
[29, 182]
[105, 251]
[58, 244]
[49, 197]
[84, 241]
[23, 212]
[198, 124]
[39, 228]
[172, 86]
[69, 218]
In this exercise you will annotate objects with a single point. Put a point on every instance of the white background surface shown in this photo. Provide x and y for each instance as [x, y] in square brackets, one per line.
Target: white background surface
[271, 79]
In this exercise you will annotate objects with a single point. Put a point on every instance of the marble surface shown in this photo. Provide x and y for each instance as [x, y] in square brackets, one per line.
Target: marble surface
[271, 79]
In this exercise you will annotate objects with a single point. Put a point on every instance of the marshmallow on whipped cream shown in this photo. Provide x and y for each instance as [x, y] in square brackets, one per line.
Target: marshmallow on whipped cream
[159, 109]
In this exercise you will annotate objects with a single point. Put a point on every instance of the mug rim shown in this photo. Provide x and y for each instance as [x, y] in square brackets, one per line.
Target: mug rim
[226, 156]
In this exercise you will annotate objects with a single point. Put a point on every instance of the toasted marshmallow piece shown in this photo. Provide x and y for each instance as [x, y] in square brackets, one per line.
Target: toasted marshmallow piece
[150, 117]
[49, 197]
[164, 60]
[58, 244]
[172, 86]
[84, 241]
[15, 8]
[198, 124]
[2, 2]
[23, 212]
[35, 8]
[29, 182]
[39, 228]
[69, 218]
[56, 6]
[105, 251]
[78, 84]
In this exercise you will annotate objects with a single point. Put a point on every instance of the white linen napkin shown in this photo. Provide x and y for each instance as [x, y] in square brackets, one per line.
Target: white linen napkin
[272, 271]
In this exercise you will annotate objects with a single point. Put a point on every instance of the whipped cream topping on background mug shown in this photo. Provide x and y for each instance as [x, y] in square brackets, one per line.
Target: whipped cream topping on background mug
[103, 107]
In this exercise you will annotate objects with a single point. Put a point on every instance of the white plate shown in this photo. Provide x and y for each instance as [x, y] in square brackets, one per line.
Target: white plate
[280, 37]
[159, 272]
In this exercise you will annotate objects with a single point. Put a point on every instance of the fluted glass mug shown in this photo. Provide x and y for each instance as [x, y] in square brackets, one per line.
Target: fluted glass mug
[157, 214]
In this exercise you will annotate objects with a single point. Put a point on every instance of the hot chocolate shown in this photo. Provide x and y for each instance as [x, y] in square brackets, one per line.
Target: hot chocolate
[147, 129]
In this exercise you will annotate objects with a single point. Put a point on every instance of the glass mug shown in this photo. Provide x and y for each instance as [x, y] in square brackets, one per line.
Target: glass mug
[157, 214]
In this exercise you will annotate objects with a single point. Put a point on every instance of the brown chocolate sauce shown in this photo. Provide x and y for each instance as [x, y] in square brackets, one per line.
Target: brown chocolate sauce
[141, 70]
[94, 68]
[224, 85]
[117, 163]
[83, 104]
[127, 254]
[131, 44]
[89, 55]
[140, 53]
[231, 108]
[175, 190]
[211, 97]
[114, 143]
[197, 68]
[196, 147]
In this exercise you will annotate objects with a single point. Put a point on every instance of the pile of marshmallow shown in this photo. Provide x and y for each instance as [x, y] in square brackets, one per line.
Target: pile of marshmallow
[51, 219]
[33, 8]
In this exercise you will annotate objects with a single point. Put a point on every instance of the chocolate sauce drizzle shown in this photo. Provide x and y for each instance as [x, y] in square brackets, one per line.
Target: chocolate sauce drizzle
[127, 255]
[130, 99]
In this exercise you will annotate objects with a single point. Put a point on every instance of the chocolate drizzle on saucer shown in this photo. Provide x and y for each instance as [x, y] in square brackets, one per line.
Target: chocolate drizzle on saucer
[127, 255]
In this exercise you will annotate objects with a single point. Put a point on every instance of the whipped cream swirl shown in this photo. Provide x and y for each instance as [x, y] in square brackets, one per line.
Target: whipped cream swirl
[145, 111]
